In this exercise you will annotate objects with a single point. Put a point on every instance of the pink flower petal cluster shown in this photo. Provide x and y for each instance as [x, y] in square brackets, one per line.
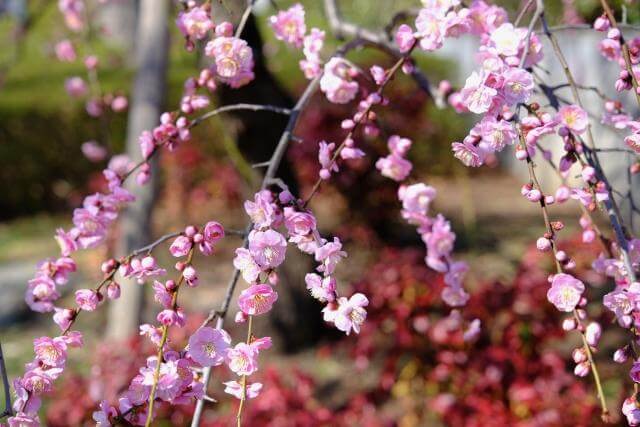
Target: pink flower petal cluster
[565, 292]
[73, 12]
[395, 165]
[233, 60]
[337, 81]
[289, 26]
[195, 23]
[208, 346]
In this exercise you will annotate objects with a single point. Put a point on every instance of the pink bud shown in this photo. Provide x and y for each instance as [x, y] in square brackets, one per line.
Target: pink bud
[190, 231]
[601, 23]
[521, 154]
[534, 195]
[621, 355]
[273, 278]
[588, 174]
[543, 244]
[582, 369]
[613, 34]
[224, 29]
[285, 197]
[148, 262]
[561, 256]
[91, 62]
[588, 236]
[549, 200]
[113, 290]
[569, 324]
[593, 333]
[240, 317]
[562, 194]
[579, 355]
[170, 285]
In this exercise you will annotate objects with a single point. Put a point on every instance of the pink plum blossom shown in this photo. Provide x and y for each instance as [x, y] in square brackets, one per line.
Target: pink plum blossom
[195, 23]
[475, 95]
[51, 351]
[261, 211]
[322, 288]
[87, 299]
[329, 255]
[245, 263]
[208, 346]
[565, 292]
[93, 151]
[233, 60]
[573, 117]
[242, 359]
[235, 389]
[267, 248]
[104, 416]
[394, 167]
[404, 38]
[180, 246]
[337, 81]
[257, 299]
[75, 87]
[288, 25]
[350, 314]
[65, 51]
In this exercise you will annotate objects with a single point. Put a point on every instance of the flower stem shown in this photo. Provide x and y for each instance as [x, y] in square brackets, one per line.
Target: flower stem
[163, 341]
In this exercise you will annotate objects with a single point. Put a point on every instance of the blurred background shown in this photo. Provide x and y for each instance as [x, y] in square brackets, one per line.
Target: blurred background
[408, 366]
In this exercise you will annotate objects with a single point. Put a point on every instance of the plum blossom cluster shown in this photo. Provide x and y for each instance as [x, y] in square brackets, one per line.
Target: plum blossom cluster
[337, 76]
[499, 83]
[194, 23]
[170, 376]
[232, 58]
[611, 48]
[290, 27]
[90, 225]
[566, 294]
[435, 231]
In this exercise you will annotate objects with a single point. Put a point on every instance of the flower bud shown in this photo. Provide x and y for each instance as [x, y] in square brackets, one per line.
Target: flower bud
[582, 369]
[593, 333]
[113, 290]
[621, 355]
[579, 355]
[601, 23]
[543, 244]
[569, 324]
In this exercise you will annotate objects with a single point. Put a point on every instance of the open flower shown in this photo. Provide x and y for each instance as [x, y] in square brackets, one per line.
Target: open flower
[257, 299]
[565, 292]
[351, 314]
[288, 25]
[573, 117]
[267, 248]
[236, 389]
[242, 359]
[208, 346]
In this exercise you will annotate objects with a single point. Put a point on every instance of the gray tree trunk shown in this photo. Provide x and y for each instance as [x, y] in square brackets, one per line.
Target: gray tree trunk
[146, 104]
[118, 19]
